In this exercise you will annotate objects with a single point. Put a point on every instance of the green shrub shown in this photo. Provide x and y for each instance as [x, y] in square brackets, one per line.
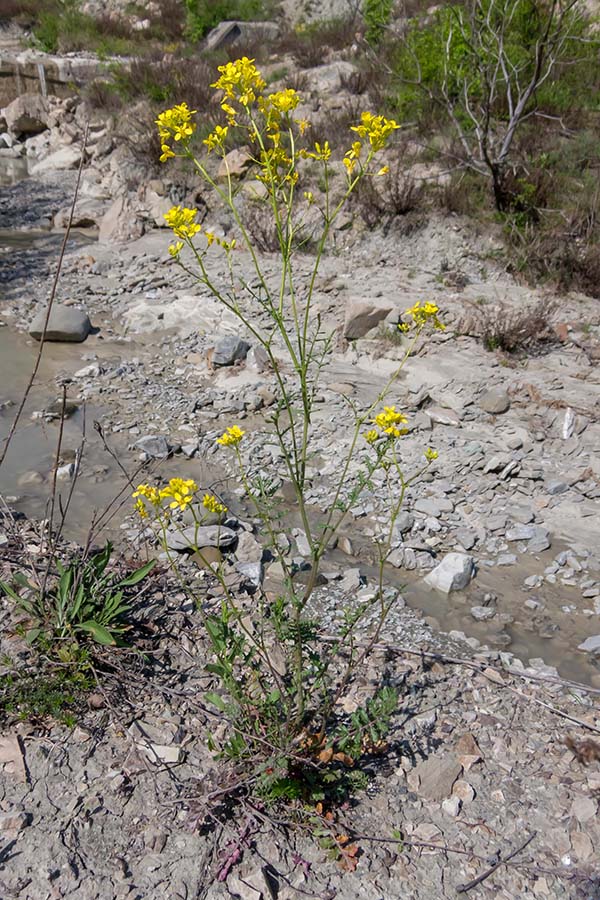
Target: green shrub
[377, 14]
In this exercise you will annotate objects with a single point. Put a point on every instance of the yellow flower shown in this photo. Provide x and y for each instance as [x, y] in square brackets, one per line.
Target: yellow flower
[181, 491]
[384, 170]
[240, 80]
[371, 436]
[216, 138]
[309, 197]
[231, 437]
[376, 129]
[182, 221]
[210, 503]
[389, 419]
[149, 492]
[303, 125]
[430, 454]
[140, 508]
[175, 124]
[175, 249]
[426, 313]
[403, 327]
[321, 152]
[275, 106]
[166, 154]
[211, 238]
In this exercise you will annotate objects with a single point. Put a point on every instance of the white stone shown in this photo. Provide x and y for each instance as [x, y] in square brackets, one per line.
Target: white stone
[453, 573]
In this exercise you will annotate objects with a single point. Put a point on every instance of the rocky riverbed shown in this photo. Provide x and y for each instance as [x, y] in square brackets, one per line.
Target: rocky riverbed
[495, 554]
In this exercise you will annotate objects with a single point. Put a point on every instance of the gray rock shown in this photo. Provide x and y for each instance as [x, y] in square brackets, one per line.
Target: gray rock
[64, 158]
[156, 446]
[557, 487]
[506, 559]
[584, 809]
[197, 536]
[235, 164]
[540, 541]
[248, 549]
[433, 507]
[496, 463]
[441, 416]
[495, 401]
[363, 315]
[437, 775]
[351, 581]
[66, 323]
[483, 613]
[453, 573]
[228, 350]
[14, 821]
[466, 538]
[521, 533]
[252, 572]
[591, 644]
[230, 32]
[27, 115]
[404, 522]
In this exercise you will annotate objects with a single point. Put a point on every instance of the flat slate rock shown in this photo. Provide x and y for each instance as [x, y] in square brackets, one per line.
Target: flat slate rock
[201, 536]
[66, 323]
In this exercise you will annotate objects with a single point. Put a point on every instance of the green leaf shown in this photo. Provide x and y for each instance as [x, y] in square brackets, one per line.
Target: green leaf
[216, 700]
[101, 559]
[76, 605]
[32, 635]
[99, 633]
[138, 575]
[217, 669]
[21, 579]
[10, 592]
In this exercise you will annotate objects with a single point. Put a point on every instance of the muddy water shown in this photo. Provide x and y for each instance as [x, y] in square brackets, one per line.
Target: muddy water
[27, 473]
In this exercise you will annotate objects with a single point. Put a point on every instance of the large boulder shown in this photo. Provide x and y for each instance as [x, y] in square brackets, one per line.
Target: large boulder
[121, 223]
[228, 33]
[453, 573]
[87, 214]
[363, 315]
[235, 164]
[66, 323]
[27, 115]
[65, 158]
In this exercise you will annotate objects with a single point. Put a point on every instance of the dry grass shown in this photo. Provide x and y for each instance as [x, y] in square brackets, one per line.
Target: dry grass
[380, 200]
[507, 328]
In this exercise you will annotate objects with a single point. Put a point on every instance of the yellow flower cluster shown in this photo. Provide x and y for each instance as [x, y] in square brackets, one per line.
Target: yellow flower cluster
[376, 129]
[175, 124]
[149, 493]
[216, 139]
[387, 422]
[421, 315]
[241, 81]
[183, 222]
[231, 437]
[275, 106]
[430, 454]
[352, 157]
[210, 503]
[181, 491]
[322, 152]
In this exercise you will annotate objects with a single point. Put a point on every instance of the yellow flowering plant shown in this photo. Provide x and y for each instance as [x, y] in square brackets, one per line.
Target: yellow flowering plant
[285, 712]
